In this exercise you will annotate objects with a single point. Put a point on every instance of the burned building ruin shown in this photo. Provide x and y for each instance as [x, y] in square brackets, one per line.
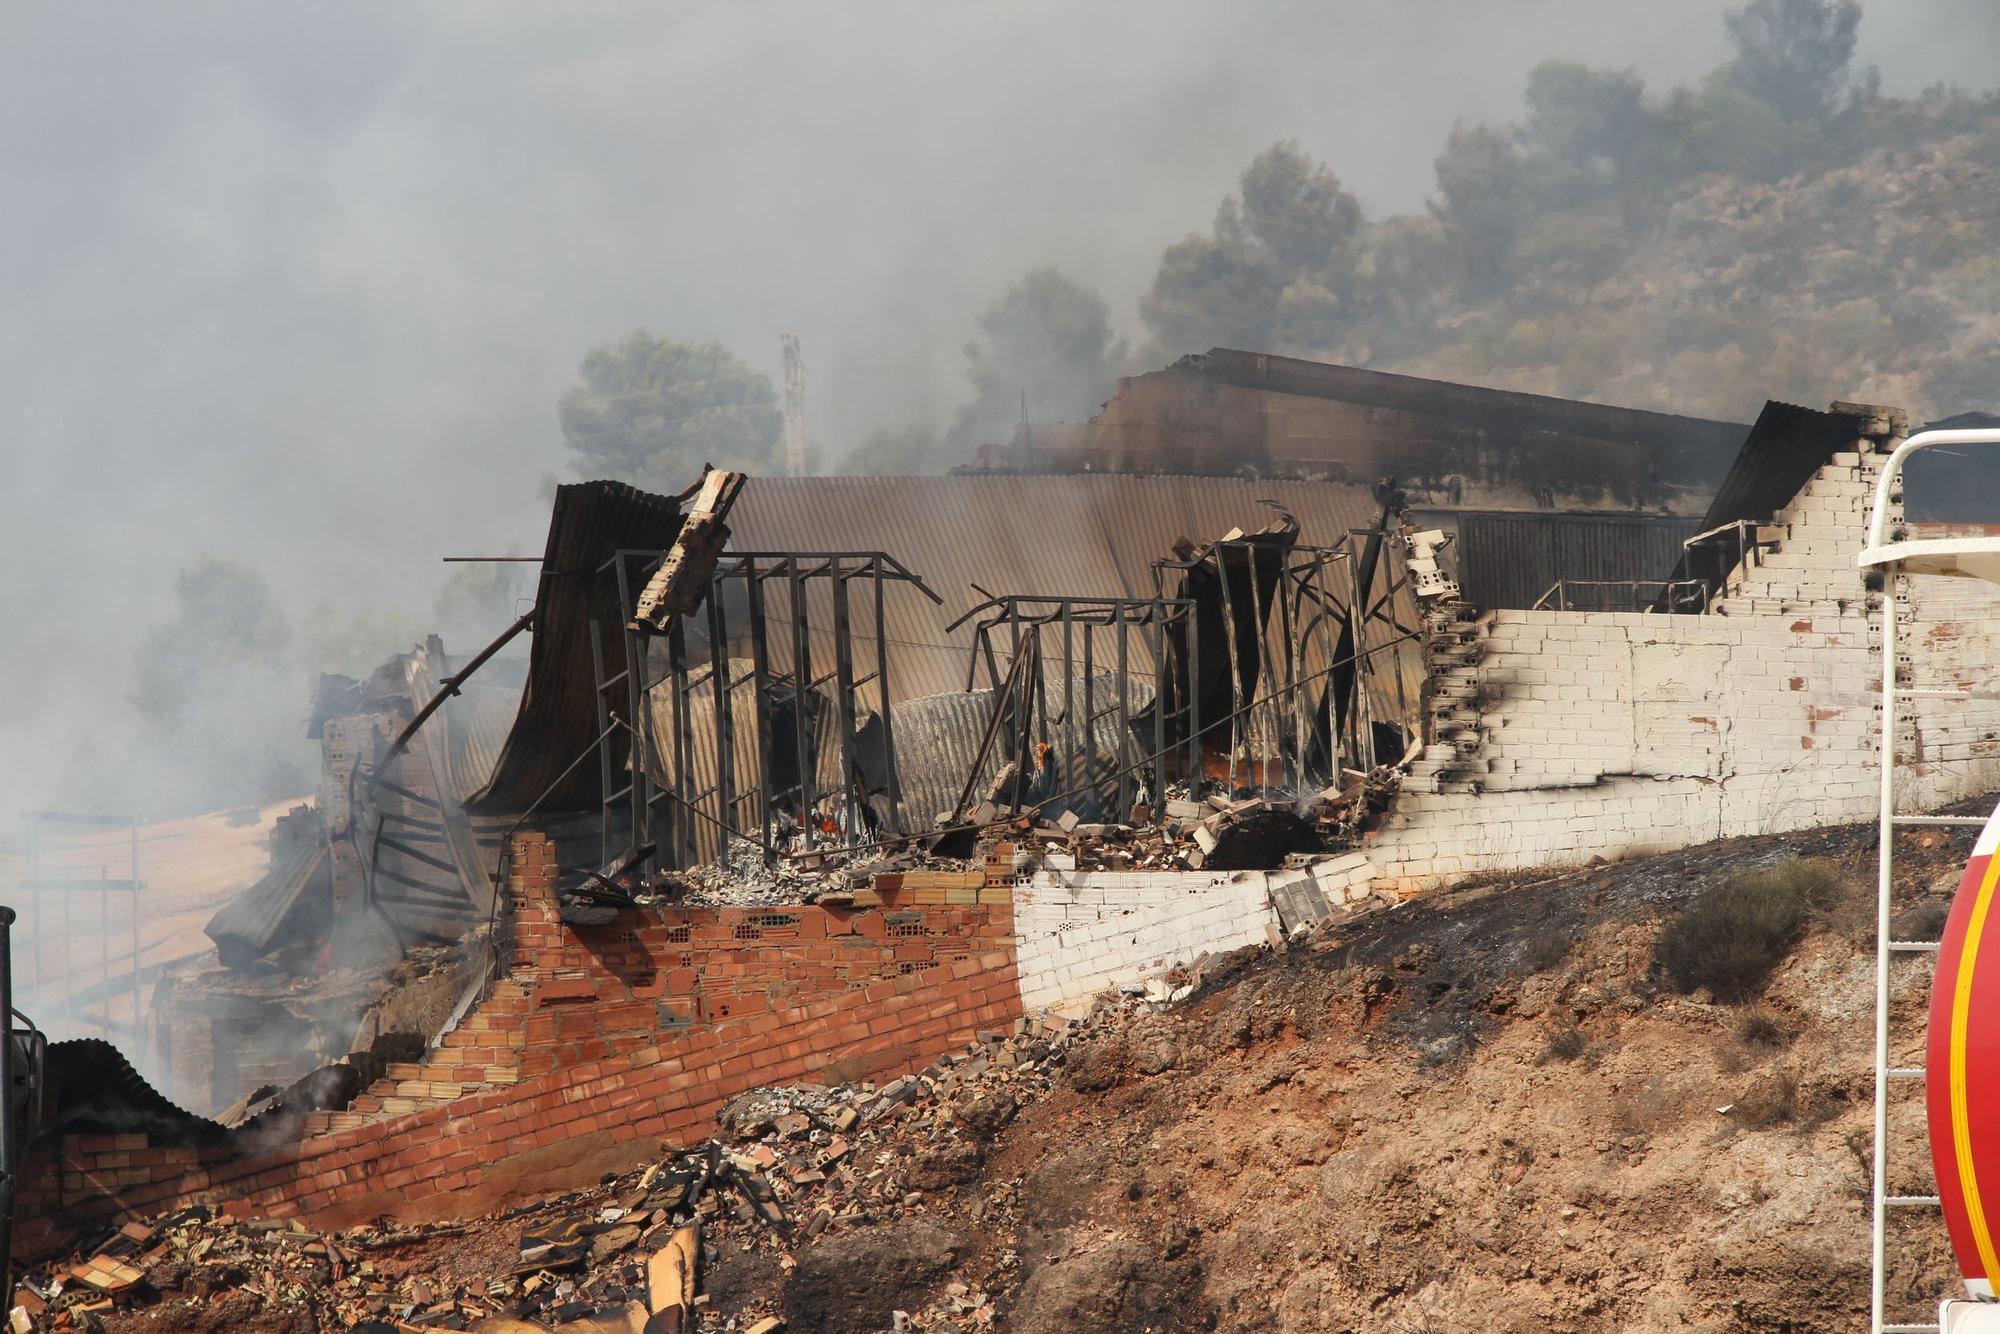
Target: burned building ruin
[812, 777]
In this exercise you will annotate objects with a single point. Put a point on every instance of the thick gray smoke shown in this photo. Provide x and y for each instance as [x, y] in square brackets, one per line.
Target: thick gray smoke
[302, 288]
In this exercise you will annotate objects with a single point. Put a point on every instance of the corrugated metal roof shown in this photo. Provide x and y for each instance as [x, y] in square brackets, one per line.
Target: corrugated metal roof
[1510, 560]
[558, 713]
[1786, 446]
[93, 1089]
[462, 745]
[253, 923]
[474, 723]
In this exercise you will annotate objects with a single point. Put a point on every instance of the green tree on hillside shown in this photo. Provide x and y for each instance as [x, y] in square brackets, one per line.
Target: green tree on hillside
[1589, 131]
[1279, 269]
[1796, 56]
[1482, 201]
[1047, 339]
[650, 411]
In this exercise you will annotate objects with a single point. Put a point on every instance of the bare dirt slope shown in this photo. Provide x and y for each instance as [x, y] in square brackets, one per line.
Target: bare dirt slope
[1484, 1106]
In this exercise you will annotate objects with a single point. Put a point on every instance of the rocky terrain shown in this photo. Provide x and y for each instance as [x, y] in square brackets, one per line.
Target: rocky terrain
[1482, 1109]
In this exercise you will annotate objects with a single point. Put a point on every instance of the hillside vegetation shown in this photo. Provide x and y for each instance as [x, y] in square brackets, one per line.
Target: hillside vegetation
[1778, 229]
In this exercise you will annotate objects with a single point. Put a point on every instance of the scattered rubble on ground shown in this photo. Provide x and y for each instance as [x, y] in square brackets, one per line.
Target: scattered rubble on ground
[789, 1168]
[1210, 829]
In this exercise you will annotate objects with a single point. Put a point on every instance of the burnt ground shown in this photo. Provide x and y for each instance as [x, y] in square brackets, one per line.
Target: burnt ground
[1479, 1109]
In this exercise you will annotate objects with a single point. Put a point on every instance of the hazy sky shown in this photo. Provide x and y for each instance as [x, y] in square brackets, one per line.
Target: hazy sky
[302, 285]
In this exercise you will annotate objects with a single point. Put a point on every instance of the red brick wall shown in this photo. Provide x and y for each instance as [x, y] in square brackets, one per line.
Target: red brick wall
[629, 1035]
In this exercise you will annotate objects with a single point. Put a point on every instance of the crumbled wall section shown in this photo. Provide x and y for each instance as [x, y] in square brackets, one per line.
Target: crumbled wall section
[1581, 734]
[602, 1042]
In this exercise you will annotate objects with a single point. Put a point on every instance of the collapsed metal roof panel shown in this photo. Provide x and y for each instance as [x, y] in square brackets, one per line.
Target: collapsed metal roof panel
[93, 1089]
[255, 921]
[1787, 445]
[558, 713]
[474, 722]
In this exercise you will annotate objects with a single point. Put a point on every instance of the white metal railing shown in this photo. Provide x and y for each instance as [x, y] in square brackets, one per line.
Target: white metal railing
[1894, 554]
[1640, 594]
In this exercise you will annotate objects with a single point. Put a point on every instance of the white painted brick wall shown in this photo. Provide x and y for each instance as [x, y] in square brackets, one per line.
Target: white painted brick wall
[1614, 733]
[1082, 932]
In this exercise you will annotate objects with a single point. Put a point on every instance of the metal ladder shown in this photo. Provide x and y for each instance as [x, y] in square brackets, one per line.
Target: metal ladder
[1889, 553]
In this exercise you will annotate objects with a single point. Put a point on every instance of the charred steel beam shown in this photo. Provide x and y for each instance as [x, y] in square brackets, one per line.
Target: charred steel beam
[449, 685]
[1080, 619]
[725, 722]
[1343, 682]
[390, 785]
[787, 704]
[414, 855]
[1001, 695]
[882, 688]
[760, 676]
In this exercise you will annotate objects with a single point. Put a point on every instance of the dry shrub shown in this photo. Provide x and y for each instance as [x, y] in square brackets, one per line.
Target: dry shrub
[1921, 921]
[1762, 1027]
[1771, 1100]
[1731, 936]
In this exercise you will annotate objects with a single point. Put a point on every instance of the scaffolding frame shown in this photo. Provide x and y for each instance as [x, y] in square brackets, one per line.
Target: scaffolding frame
[1892, 554]
[37, 886]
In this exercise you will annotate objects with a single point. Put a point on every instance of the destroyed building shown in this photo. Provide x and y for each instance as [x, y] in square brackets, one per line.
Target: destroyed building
[1534, 489]
[814, 779]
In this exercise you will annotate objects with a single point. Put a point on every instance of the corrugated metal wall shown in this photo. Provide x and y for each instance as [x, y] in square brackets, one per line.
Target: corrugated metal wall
[1509, 560]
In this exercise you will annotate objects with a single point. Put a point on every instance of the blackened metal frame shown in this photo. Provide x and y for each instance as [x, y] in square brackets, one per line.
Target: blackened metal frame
[1020, 615]
[1317, 593]
[672, 821]
[1304, 577]
[1380, 607]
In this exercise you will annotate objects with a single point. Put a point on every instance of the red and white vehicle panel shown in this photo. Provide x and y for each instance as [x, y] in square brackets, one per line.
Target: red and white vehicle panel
[1963, 1088]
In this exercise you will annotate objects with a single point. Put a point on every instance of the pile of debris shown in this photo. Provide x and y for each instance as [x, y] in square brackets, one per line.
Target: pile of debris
[1208, 828]
[789, 1166]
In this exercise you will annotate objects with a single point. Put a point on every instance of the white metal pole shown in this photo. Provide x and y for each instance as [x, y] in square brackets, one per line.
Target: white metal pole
[1884, 866]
